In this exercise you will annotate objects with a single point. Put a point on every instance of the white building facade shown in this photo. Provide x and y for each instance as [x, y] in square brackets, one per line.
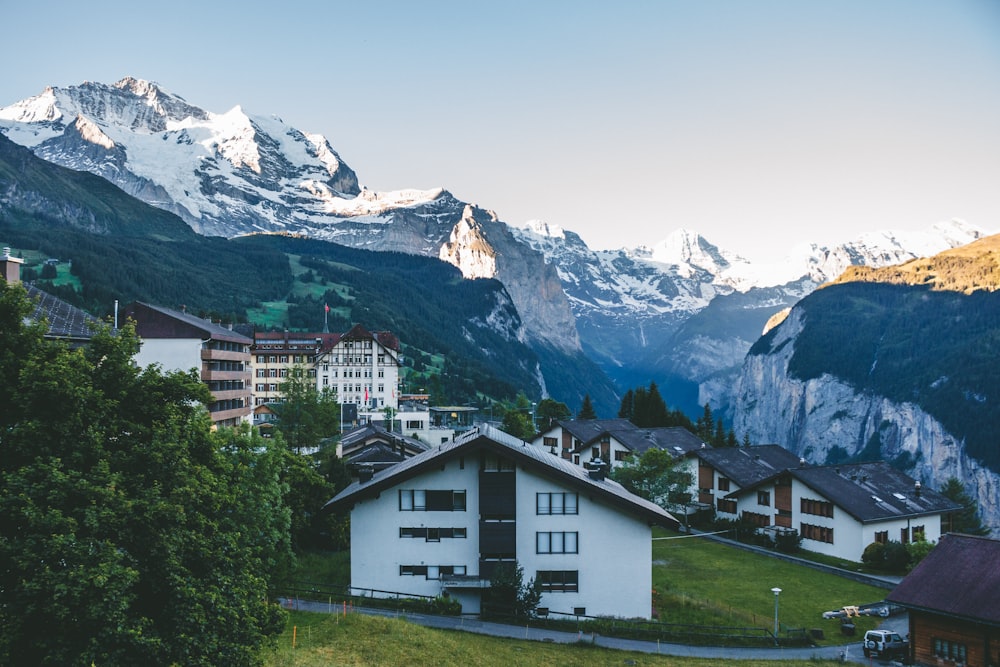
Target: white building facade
[442, 521]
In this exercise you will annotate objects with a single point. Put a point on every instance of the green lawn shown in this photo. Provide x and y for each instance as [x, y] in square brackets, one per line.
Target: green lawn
[704, 582]
[322, 640]
[701, 582]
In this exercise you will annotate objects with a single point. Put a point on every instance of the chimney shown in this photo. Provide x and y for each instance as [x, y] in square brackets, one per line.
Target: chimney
[916, 488]
[595, 469]
[10, 267]
[365, 473]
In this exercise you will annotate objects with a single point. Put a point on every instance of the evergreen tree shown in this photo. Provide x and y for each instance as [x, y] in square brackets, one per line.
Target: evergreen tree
[627, 409]
[965, 520]
[658, 415]
[130, 533]
[587, 409]
[746, 440]
[719, 439]
[706, 425]
[731, 440]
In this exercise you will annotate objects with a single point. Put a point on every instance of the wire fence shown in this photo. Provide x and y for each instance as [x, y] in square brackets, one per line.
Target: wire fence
[344, 599]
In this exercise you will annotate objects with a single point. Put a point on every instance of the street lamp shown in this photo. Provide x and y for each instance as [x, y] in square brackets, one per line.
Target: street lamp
[777, 592]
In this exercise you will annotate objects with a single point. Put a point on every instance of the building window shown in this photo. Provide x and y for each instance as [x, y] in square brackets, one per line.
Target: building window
[556, 543]
[918, 533]
[553, 581]
[621, 455]
[816, 507]
[764, 498]
[723, 483]
[727, 505]
[284, 359]
[816, 533]
[882, 536]
[755, 519]
[420, 500]
[430, 571]
[595, 453]
[950, 650]
[556, 503]
[433, 534]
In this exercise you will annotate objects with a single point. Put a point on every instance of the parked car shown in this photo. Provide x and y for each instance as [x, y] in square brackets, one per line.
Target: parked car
[886, 644]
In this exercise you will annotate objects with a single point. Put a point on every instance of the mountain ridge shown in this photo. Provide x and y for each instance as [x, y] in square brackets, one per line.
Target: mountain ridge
[233, 173]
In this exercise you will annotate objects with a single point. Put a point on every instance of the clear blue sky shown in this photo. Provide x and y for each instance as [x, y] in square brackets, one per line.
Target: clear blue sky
[759, 124]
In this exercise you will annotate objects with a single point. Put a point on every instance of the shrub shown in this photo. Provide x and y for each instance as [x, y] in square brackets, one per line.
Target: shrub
[874, 555]
[788, 542]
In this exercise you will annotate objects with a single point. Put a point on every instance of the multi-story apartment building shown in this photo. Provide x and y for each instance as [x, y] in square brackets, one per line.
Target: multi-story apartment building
[442, 521]
[177, 340]
[275, 353]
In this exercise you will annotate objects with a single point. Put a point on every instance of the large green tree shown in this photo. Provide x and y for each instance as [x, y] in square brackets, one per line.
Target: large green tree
[129, 532]
[655, 477]
[965, 520]
[306, 415]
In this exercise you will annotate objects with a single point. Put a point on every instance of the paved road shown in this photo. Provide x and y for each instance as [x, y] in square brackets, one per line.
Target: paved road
[851, 652]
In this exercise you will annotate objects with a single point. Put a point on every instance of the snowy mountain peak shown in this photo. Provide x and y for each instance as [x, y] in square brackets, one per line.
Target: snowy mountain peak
[542, 228]
[685, 248]
[223, 173]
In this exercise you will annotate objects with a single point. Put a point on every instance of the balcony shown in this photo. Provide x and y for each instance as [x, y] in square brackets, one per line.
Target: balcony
[235, 413]
[224, 355]
[464, 581]
[207, 375]
[232, 394]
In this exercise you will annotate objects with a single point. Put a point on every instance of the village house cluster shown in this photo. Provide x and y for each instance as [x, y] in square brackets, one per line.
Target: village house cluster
[441, 501]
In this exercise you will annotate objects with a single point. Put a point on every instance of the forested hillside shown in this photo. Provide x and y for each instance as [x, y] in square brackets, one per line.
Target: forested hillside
[121, 249]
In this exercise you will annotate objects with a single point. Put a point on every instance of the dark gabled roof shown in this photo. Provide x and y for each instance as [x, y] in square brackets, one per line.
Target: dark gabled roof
[375, 453]
[64, 320]
[959, 578]
[295, 340]
[386, 339]
[486, 437]
[184, 319]
[676, 440]
[588, 430]
[365, 436]
[747, 466]
[873, 491]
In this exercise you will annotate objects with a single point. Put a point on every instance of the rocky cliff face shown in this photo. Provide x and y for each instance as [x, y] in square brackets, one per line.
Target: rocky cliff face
[825, 421]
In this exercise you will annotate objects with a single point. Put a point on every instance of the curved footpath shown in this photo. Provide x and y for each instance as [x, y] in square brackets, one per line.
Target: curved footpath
[850, 652]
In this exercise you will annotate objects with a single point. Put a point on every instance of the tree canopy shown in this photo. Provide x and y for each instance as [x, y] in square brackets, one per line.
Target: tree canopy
[655, 477]
[130, 533]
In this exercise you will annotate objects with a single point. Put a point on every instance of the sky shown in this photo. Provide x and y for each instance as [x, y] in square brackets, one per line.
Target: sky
[759, 124]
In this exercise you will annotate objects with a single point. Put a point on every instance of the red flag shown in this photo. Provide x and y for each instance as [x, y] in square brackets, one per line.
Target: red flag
[366, 394]
[327, 306]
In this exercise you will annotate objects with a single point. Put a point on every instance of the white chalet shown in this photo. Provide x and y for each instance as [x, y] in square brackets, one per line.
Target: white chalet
[614, 440]
[442, 521]
[840, 509]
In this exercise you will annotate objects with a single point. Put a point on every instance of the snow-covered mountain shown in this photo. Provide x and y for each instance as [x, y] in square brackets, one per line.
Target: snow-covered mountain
[683, 310]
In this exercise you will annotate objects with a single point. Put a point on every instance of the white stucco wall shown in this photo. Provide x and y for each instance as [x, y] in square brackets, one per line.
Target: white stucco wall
[614, 558]
[173, 354]
[377, 550]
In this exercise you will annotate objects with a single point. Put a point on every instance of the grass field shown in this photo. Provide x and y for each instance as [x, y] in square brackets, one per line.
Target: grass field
[322, 640]
[704, 582]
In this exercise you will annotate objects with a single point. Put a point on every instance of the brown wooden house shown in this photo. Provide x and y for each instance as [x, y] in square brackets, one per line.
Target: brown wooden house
[953, 597]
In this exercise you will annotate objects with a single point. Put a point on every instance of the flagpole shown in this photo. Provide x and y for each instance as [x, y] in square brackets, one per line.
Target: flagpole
[326, 318]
